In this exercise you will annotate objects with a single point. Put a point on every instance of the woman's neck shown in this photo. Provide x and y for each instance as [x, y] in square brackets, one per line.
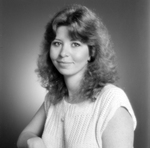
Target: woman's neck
[73, 86]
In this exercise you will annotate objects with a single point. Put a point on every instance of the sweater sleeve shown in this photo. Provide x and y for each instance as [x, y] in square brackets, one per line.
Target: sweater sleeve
[111, 100]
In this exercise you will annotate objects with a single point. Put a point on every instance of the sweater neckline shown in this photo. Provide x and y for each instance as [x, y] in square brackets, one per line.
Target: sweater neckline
[80, 104]
[85, 102]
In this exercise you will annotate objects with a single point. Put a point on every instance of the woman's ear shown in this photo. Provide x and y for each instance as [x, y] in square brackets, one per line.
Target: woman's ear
[89, 58]
[92, 54]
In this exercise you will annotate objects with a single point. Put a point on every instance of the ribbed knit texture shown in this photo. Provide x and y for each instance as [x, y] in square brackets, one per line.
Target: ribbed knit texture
[81, 125]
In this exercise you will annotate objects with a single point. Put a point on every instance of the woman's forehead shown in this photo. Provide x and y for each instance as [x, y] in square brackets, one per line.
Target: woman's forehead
[62, 32]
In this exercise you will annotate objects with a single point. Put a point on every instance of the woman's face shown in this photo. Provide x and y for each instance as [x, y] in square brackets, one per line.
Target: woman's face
[70, 57]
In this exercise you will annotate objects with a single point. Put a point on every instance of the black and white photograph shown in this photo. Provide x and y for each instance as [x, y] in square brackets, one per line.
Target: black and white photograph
[74, 73]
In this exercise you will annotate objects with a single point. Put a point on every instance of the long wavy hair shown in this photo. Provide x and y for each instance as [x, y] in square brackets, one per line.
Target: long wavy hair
[83, 25]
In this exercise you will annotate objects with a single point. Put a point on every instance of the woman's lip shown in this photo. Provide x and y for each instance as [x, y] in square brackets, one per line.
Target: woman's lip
[64, 62]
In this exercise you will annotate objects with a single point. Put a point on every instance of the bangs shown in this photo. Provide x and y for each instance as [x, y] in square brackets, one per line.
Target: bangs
[76, 33]
[75, 25]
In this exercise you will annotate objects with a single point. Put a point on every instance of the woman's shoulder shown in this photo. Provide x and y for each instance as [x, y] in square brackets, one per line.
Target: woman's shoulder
[111, 98]
[47, 102]
[111, 88]
[111, 92]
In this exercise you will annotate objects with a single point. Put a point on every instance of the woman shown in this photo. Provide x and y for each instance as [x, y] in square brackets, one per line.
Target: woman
[83, 108]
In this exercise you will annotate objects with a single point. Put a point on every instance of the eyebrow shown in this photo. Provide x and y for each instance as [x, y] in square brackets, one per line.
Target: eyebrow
[75, 40]
[57, 39]
[72, 40]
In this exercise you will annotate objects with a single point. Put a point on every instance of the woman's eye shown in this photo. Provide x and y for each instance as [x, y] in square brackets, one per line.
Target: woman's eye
[75, 44]
[56, 44]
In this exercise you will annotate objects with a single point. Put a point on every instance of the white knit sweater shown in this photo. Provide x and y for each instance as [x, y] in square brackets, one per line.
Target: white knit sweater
[81, 125]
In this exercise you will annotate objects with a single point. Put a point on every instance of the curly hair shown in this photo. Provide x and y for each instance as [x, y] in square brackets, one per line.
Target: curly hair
[83, 25]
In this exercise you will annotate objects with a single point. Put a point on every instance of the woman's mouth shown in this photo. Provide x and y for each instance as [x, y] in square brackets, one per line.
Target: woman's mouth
[64, 64]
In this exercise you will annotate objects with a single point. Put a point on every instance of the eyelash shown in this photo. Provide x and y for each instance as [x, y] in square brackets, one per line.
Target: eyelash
[74, 44]
[55, 43]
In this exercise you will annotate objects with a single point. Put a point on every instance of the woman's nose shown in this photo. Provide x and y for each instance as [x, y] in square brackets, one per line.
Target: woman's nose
[64, 51]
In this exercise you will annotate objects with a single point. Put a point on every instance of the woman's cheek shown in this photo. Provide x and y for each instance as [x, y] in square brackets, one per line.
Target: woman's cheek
[53, 54]
[80, 56]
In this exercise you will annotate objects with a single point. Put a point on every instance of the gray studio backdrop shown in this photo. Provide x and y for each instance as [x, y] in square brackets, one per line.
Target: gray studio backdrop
[23, 23]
